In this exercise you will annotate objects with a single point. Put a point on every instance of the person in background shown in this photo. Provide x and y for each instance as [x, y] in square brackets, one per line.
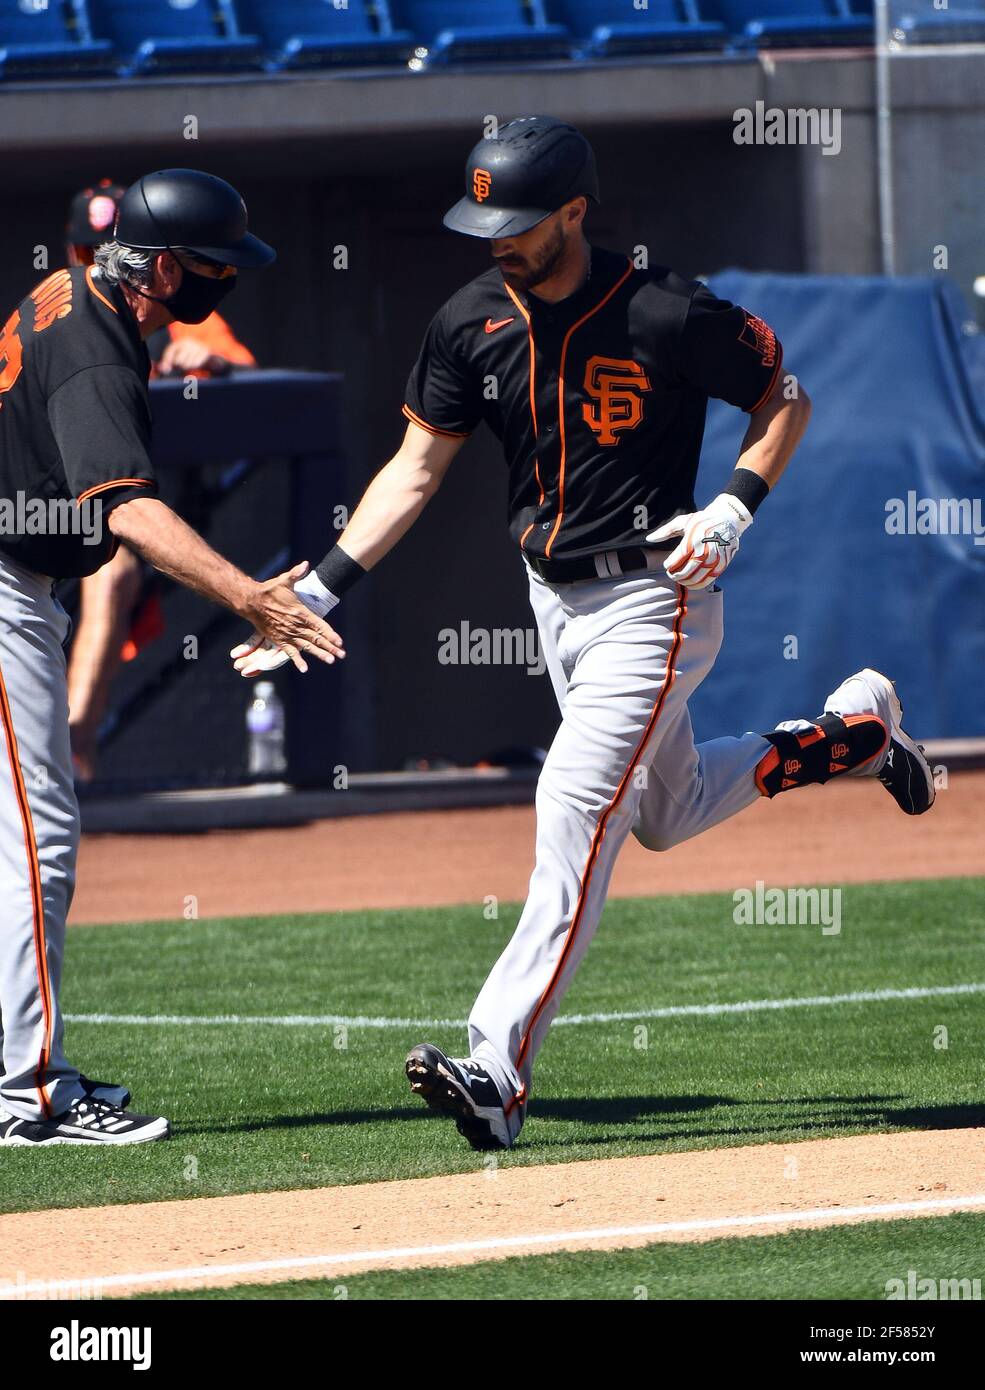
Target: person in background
[119, 606]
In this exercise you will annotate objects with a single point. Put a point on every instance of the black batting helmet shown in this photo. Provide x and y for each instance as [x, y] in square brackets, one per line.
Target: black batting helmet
[92, 213]
[186, 210]
[533, 166]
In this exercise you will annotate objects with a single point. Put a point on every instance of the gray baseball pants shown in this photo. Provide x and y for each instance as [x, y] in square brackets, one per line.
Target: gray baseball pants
[39, 838]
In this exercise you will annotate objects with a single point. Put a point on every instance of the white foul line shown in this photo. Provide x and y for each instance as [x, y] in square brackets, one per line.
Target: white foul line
[747, 1006]
[819, 1216]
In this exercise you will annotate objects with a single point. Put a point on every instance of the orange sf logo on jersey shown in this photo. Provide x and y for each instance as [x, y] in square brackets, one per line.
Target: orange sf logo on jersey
[52, 300]
[481, 184]
[616, 386]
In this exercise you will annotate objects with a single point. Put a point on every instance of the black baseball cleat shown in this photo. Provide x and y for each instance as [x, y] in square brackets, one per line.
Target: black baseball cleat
[105, 1091]
[905, 773]
[84, 1122]
[463, 1089]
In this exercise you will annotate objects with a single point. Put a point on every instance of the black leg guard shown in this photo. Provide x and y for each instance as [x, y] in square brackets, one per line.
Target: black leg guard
[829, 748]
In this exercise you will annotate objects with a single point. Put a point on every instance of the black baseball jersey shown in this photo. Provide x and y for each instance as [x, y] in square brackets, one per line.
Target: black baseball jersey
[74, 423]
[599, 400]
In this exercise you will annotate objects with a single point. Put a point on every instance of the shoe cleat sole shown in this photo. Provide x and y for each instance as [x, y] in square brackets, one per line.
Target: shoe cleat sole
[442, 1094]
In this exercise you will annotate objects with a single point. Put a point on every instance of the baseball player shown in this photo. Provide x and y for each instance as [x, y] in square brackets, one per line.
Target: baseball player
[596, 375]
[76, 479]
[119, 598]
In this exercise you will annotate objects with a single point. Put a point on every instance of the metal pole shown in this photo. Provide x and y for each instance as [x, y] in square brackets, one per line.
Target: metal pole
[884, 140]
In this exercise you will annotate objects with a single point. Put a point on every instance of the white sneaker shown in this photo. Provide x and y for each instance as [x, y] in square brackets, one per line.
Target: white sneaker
[903, 770]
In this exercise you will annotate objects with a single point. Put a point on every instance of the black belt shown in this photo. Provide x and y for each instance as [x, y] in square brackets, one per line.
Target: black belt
[605, 564]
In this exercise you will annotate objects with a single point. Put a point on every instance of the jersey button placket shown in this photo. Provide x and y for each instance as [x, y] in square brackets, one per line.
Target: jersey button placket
[542, 436]
[548, 341]
[547, 410]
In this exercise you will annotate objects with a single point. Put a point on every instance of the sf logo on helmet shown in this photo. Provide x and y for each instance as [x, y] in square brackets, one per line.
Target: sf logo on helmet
[481, 183]
[616, 386]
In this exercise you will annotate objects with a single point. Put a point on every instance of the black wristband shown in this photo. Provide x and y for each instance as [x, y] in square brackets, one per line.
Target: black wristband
[748, 487]
[339, 571]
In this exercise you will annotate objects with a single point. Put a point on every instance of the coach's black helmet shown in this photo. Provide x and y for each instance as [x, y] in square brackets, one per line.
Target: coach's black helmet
[186, 210]
[533, 166]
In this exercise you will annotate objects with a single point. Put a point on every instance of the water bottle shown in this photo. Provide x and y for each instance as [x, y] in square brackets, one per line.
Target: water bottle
[265, 731]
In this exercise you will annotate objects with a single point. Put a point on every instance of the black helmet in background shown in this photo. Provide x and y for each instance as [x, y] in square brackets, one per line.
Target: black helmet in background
[92, 213]
[533, 166]
[187, 210]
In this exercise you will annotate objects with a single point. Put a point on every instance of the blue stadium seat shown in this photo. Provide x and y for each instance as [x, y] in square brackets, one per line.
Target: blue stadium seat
[316, 33]
[174, 35]
[788, 23]
[509, 30]
[48, 39]
[610, 28]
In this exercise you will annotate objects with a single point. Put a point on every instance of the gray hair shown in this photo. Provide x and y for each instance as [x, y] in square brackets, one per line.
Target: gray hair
[117, 263]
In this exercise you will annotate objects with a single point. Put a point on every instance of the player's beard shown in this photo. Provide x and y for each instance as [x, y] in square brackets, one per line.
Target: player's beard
[540, 267]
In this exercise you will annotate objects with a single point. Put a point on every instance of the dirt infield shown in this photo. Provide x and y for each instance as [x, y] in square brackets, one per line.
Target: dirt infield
[846, 832]
[493, 1213]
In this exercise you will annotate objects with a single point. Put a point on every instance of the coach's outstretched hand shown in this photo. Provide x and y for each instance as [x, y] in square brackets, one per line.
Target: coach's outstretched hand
[286, 626]
[710, 540]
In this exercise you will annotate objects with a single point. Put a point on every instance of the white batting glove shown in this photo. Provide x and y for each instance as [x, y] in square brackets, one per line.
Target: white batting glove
[258, 654]
[710, 540]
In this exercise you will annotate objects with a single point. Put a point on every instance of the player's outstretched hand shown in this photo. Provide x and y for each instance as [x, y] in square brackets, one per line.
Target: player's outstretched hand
[257, 655]
[286, 625]
[709, 541]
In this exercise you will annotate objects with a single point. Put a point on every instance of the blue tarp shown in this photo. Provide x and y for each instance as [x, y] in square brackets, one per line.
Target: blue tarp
[897, 377]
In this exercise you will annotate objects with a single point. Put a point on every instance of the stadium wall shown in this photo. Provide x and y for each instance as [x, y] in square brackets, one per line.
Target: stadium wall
[370, 164]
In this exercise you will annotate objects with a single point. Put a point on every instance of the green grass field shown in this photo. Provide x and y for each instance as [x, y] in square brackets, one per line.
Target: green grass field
[259, 1107]
[854, 1262]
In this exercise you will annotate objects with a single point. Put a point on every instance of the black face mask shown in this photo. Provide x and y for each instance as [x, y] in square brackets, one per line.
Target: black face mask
[196, 297]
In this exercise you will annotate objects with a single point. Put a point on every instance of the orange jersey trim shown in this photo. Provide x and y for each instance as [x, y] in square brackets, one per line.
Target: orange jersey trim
[114, 482]
[98, 293]
[530, 335]
[769, 390]
[37, 898]
[431, 429]
[596, 845]
[533, 401]
[560, 399]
